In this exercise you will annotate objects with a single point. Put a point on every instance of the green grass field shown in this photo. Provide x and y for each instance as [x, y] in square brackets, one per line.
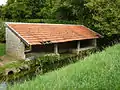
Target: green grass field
[2, 49]
[100, 71]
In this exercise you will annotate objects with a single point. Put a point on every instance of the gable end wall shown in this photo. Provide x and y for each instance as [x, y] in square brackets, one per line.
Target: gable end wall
[14, 46]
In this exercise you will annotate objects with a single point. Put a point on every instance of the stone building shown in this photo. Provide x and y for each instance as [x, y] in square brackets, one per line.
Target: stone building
[26, 39]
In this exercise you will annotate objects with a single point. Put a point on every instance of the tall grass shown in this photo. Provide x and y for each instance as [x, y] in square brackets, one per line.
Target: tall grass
[2, 49]
[100, 71]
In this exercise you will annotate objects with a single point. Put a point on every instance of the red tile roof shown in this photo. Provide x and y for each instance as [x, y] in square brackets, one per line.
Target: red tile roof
[35, 34]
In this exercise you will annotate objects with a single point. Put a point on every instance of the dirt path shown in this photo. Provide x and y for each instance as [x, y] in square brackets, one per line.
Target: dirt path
[6, 59]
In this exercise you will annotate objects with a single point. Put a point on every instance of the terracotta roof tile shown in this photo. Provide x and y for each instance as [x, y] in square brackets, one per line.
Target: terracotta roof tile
[55, 33]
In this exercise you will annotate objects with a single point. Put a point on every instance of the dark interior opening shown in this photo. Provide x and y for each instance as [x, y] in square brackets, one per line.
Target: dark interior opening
[67, 46]
[10, 72]
[86, 43]
[43, 48]
[38, 50]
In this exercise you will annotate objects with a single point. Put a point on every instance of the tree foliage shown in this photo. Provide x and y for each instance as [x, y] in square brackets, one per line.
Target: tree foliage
[105, 16]
[2, 32]
[102, 16]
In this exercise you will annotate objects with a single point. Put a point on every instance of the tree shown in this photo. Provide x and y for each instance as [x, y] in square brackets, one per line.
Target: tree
[35, 6]
[0, 11]
[15, 11]
[64, 13]
[10, 2]
[2, 32]
[104, 16]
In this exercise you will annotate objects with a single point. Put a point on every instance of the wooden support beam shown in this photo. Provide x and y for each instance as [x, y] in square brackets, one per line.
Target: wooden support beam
[55, 48]
[78, 47]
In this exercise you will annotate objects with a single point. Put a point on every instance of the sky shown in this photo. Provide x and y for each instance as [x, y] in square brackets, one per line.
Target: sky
[2, 2]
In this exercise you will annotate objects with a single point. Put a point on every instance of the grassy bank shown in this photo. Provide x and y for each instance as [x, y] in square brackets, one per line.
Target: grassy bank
[100, 71]
[2, 49]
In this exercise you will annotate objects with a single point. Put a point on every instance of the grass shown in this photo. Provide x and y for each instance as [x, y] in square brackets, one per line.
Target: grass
[2, 49]
[100, 71]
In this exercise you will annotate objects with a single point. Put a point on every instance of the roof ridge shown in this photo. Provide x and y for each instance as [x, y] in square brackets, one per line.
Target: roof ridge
[42, 23]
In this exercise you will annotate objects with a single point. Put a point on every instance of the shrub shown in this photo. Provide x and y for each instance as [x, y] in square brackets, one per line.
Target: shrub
[2, 32]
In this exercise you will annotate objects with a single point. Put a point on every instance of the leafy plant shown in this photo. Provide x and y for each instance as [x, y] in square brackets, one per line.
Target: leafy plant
[105, 16]
[2, 32]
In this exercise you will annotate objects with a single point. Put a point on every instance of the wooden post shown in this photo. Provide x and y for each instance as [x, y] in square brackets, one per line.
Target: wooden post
[55, 48]
[78, 47]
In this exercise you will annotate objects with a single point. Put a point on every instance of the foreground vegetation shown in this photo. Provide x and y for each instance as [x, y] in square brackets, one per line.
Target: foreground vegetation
[2, 49]
[100, 71]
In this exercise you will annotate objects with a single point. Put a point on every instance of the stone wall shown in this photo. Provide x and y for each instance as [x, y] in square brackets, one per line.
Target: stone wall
[14, 46]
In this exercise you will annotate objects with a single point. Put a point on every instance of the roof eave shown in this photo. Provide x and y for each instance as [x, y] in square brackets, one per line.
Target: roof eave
[100, 36]
[65, 41]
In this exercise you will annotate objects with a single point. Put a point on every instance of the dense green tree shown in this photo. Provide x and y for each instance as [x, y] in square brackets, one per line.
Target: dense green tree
[100, 15]
[10, 2]
[77, 9]
[6, 12]
[0, 11]
[64, 13]
[15, 11]
[22, 9]
[105, 16]
[34, 6]
[2, 32]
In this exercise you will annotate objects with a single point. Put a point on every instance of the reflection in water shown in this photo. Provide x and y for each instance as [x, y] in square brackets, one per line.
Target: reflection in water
[3, 86]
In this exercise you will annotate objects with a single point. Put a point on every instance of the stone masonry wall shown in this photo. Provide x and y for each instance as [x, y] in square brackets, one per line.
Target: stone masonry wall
[14, 46]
